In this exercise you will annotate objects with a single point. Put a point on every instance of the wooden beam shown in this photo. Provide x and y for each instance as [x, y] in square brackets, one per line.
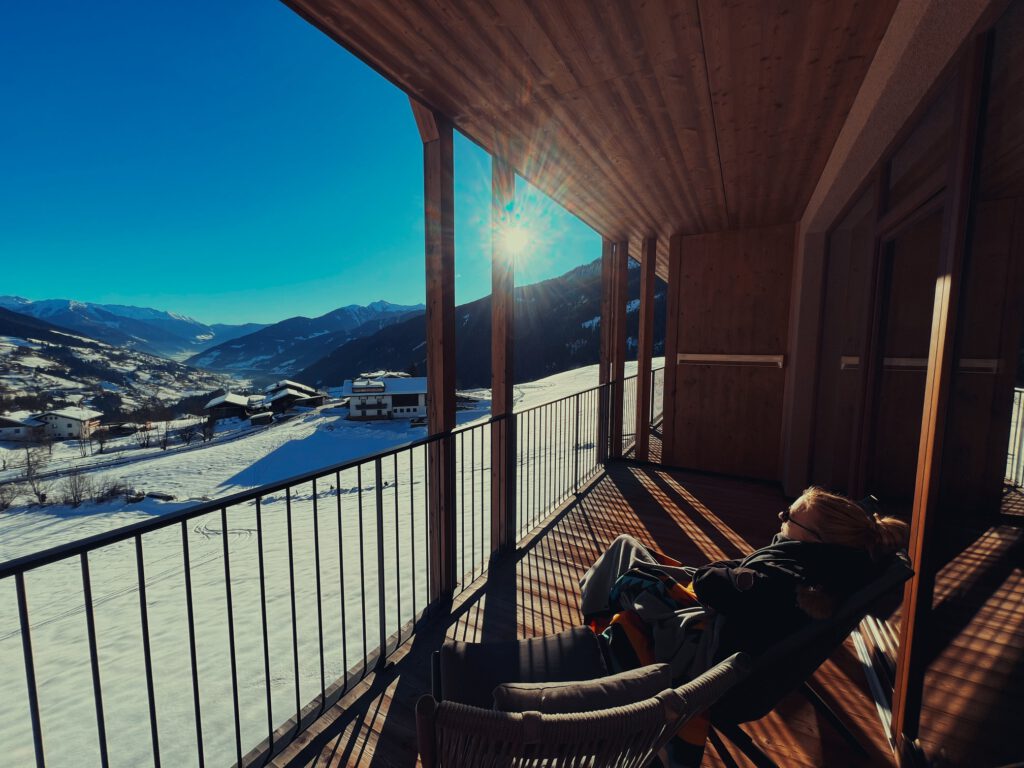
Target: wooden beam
[645, 346]
[426, 121]
[672, 310]
[604, 354]
[620, 295]
[503, 439]
[439, 225]
[912, 663]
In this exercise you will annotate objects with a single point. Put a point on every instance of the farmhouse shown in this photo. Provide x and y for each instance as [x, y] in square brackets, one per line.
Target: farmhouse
[227, 406]
[288, 384]
[283, 399]
[20, 428]
[70, 423]
[386, 398]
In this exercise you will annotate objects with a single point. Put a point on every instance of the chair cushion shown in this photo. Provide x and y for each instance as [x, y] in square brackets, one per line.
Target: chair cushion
[618, 690]
[469, 672]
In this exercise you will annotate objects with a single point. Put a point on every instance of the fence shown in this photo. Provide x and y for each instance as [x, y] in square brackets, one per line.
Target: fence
[1015, 449]
[219, 633]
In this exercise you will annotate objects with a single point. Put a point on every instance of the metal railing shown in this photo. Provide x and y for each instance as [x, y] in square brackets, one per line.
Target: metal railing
[1015, 449]
[218, 633]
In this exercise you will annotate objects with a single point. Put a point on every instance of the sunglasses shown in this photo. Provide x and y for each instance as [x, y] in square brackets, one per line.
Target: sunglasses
[785, 517]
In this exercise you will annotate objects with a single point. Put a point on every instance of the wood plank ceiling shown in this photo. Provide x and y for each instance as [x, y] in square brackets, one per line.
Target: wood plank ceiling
[641, 117]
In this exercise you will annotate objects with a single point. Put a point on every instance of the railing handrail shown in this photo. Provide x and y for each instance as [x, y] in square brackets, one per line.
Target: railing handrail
[89, 543]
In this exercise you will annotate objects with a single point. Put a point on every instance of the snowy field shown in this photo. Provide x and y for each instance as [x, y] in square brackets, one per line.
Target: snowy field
[336, 534]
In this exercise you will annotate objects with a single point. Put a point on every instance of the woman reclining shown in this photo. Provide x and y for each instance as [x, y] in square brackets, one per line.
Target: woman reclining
[650, 608]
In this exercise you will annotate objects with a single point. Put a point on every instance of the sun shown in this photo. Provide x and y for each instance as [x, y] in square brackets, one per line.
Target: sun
[516, 239]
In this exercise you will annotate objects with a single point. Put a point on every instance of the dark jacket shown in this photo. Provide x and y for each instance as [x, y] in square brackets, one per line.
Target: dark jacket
[758, 615]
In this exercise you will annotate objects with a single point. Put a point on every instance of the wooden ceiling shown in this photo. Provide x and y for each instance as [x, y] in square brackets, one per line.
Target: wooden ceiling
[640, 116]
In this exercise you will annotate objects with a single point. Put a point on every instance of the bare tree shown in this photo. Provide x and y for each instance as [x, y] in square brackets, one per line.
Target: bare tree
[165, 436]
[100, 437]
[76, 488]
[35, 458]
[189, 433]
[8, 493]
[83, 447]
[33, 478]
[144, 437]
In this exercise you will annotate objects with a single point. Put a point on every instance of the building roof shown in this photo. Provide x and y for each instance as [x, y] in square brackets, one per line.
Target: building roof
[289, 384]
[228, 399]
[398, 386]
[76, 414]
[289, 392]
[12, 421]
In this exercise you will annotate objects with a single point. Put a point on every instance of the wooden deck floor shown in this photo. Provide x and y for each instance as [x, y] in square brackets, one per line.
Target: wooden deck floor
[974, 686]
[695, 518]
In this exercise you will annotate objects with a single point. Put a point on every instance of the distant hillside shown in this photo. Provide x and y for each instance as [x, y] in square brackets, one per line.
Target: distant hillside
[148, 330]
[42, 364]
[293, 344]
[557, 328]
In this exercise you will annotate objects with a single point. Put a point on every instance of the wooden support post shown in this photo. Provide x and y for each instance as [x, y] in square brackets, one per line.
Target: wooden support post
[439, 215]
[503, 437]
[620, 295]
[645, 346]
[911, 663]
[672, 310]
[604, 356]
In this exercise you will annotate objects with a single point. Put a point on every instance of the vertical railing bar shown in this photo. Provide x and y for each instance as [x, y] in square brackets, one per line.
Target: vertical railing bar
[341, 586]
[576, 448]
[462, 507]
[231, 632]
[97, 690]
[362, 563]
[412, 529]
[265, 629]
[190, 612]
[398, 584]
[295, 617]
[381, 614]
[30, 669]
[147, 655]
[319, 599]
[472, 504]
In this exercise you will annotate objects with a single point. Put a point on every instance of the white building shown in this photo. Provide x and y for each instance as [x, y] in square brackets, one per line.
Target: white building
[20, 428]
[70, 423]
[386, 398]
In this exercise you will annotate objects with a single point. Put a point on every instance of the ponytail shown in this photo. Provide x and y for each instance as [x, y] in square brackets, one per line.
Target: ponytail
[843, 521]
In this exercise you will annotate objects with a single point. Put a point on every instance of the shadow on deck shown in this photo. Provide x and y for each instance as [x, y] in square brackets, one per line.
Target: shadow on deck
[535, 591]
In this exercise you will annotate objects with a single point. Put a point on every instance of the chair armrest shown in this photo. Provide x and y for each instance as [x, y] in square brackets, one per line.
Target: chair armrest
[703, 691]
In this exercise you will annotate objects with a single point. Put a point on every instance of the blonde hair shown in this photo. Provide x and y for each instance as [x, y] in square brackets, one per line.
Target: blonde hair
[842, 521]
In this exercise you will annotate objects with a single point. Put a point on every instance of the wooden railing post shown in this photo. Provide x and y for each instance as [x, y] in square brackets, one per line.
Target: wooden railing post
[439, 226]
[672, 310]
[620, 294]
[645, 347]
[604, 355]
[503, 434]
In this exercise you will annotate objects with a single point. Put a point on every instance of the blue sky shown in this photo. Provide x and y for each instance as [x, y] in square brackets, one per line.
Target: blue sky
[225, 160]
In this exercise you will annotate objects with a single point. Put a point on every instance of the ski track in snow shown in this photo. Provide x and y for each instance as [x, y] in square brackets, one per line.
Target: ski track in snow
[340, 535]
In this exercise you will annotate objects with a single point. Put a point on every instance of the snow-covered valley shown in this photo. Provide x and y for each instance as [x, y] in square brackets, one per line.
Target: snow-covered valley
[325, 543]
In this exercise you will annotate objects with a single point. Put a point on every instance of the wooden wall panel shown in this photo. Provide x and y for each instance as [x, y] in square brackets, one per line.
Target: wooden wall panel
[733, 300]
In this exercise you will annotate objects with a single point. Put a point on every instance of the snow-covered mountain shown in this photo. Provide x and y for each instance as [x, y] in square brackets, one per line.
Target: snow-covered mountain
[42, 364]
[293, 344]
[167, 334]
[558, 328]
